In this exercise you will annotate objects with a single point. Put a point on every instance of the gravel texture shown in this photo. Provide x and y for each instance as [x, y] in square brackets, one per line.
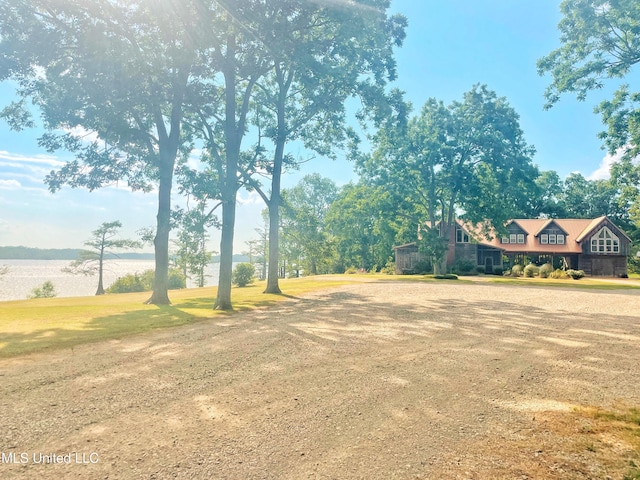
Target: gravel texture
[369, 381]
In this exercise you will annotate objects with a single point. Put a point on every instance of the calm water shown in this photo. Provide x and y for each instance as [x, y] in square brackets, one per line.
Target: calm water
[24, 275]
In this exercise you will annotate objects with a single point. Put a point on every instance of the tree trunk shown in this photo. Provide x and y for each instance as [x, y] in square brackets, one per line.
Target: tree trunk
[232, 136]
[100, 290]
[276, 178]
[160, 295]
[223, 299]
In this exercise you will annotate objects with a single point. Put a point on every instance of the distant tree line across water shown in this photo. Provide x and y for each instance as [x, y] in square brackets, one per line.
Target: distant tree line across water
[32, 253]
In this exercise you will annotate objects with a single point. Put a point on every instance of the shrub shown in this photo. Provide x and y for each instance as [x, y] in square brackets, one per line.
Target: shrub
[497, 271]
[516, 270]
[446, 276]
[575, 274]
[464, 266]
[423, 267]
[143, 282]
[177, 280]
[132, 282]
[351, 270]
[545, 270]
[46, 290]
[389, 268]
[558, 273]
[481, 269]
[530, 271]
[243, 274]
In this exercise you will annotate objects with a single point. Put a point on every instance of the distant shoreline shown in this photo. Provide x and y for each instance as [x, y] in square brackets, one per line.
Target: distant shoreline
[31, 253]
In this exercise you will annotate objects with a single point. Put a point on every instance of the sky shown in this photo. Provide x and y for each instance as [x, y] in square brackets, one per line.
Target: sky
[450, 46]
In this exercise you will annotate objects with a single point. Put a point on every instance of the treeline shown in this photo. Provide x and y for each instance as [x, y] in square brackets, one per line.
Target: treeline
[327, 229]
[29, 253]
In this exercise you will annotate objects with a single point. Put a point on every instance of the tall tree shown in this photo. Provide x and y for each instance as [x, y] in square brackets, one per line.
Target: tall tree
[467, 159]
[120, 71]
[548, 202]
[320, 55]
[103, 242]
[192, 255]
[305, 208]
[600, 41]
[364, 225]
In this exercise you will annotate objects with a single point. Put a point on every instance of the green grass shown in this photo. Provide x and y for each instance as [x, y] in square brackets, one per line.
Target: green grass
[36, 325]
[29, 326]
[585, 283]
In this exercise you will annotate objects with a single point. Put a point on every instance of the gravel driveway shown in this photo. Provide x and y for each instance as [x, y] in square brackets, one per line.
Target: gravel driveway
[369, 381]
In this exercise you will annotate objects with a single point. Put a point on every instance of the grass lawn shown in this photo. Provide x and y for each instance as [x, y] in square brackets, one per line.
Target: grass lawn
[586, 283]
[28, 326]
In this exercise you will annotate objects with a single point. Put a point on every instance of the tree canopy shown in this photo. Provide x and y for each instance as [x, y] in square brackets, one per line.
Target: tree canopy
[111, 81]
[467, 159]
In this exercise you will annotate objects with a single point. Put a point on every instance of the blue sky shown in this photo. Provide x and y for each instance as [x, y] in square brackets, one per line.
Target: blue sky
[450, 46]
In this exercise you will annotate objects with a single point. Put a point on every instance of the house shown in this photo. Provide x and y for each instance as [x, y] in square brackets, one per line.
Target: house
[597, 246]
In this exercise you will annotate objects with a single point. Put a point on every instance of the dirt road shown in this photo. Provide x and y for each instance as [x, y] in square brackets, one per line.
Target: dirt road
[370, 381]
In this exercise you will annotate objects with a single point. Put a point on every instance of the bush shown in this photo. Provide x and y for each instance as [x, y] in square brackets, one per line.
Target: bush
[351, 270]
[389, 268]
[243, 274]
[530, 271]
[558, 273]
[423, 267]
[545, 270]
[497, 271]
[132, 282]
[575, 274]
[464, 266]
[516, 270]
[177, 280]
[143, 282]
[46, 290]
[446, 276]
[481, 269]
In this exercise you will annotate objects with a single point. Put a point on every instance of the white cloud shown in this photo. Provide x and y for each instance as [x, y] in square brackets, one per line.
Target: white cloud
[604, 170]
[250, 198]
[18, 160]
[9, 184]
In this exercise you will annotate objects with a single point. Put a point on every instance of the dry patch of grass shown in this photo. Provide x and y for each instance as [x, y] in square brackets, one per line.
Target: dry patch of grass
[594, 442]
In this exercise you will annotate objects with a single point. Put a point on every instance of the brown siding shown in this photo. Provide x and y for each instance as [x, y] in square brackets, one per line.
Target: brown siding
[406, 258]
[603, 265]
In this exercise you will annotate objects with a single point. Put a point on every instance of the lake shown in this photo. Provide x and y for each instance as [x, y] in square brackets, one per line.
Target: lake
[25, 275]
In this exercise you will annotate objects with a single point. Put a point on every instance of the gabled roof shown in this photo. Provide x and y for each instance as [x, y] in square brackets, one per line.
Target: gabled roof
[576, 230]
[547, 224]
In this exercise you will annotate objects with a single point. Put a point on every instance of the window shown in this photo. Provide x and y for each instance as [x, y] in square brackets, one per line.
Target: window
[520, 238]
[512, 238]
[505, 240]
[552, 238]
[605, 242]
[544, 239]
[560, 239]
[461, 236]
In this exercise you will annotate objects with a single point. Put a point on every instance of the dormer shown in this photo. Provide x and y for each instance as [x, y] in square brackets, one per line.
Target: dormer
[515, 234]
[551, 234]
